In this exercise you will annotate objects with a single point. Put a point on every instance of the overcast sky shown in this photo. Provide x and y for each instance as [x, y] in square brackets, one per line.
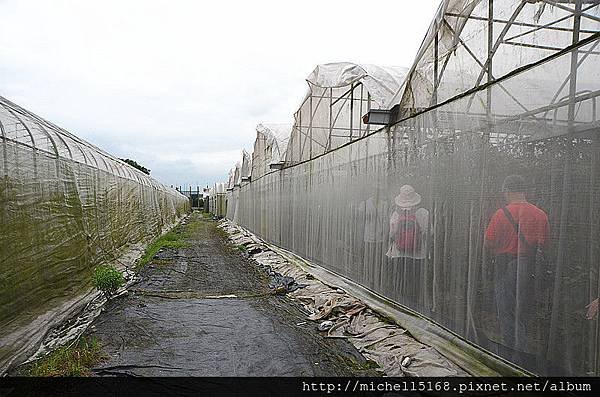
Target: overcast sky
[180, 85]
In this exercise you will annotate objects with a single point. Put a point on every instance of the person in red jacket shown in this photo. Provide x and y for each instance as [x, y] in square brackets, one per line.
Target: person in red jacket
[515, 233]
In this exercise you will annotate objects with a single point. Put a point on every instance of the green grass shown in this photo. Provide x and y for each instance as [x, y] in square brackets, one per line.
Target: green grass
[75, 360]
[107, 279]
[172, 239]
[370, 364]
[352, 363]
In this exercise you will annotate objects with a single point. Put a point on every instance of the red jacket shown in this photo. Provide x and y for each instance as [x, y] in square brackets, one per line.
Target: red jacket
[532, 221]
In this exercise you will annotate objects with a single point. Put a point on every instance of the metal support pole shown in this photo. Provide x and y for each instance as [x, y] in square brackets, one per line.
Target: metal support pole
[328, 145]
[490, 62]
[310, 122]
[351, 109]
[436, 72]
[554, 336]
[574, 58]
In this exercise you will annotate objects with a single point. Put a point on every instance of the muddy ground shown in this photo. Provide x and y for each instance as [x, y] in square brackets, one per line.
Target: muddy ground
[205, 310]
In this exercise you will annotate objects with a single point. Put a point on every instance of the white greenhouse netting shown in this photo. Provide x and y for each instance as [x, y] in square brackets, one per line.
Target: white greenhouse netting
[231, 179]
[216, 200]
[269, 148]
[499, 88]
[65, 208]
[339, 94]
[237, 174]
[233, 191]
[246, 169]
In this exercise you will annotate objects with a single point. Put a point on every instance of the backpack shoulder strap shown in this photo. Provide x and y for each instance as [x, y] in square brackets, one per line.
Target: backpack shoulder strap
[516, 227]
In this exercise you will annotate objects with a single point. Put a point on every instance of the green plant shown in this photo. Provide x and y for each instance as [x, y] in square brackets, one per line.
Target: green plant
[74, 360]
[172, 239]
[107, 279]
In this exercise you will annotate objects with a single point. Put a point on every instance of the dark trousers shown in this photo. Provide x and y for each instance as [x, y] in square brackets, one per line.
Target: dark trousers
[514, 289]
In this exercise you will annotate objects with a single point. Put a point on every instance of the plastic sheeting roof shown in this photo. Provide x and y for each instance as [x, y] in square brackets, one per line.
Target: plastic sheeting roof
[269, 147]
[338, 96]
[382, 82]
[246, 165]
[22, 127]
[231, 179]
[524, 32]
[237, 174]
[280, 135]
[220, 187]
[217, 188]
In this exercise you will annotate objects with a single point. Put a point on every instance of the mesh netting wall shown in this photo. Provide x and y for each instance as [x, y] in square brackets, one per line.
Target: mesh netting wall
[65, 207]
[216, 200]
[336, 210]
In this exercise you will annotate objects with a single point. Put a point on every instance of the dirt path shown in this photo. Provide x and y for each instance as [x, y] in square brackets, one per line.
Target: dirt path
[205, 310]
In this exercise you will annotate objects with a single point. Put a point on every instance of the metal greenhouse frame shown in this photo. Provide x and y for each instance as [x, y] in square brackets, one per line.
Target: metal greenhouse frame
[338, 96]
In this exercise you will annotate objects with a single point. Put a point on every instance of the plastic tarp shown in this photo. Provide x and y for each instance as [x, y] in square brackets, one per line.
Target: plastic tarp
[453, 56]
[493, 93]
[246, 169]
[237, 175]
[217, 200]
[66, 207]
[231, 179]
[281, 136]
[338, 96]
[269, 147]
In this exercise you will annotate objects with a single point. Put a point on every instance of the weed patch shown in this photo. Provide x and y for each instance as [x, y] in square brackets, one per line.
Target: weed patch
[75, 360]
[107, 279]
[364, 366]
[172, 239]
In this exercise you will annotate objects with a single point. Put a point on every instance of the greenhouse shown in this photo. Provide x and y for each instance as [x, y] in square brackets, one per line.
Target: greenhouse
[269, 148]
[338, 96]
[215, 200]
[501, 99]
[246, 169]
[66, 207]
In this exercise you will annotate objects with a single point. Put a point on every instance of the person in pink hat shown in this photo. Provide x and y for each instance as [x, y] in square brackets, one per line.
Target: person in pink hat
[409, 225]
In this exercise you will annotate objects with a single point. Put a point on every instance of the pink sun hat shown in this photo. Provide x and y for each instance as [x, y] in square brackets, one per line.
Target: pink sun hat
[408, 197]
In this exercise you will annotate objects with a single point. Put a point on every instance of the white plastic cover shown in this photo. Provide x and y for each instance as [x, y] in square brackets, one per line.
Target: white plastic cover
[381, 82]
[339, 94]
[269, 147]
[237, 175]
[66, 207]
[246, 169]
[453, 56]
[216, 199]
[231, 179]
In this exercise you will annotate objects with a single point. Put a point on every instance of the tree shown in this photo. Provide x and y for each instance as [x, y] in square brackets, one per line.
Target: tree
[134, 164]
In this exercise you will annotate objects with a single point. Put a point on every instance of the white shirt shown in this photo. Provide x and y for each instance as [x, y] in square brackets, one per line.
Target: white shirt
[375, 220]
